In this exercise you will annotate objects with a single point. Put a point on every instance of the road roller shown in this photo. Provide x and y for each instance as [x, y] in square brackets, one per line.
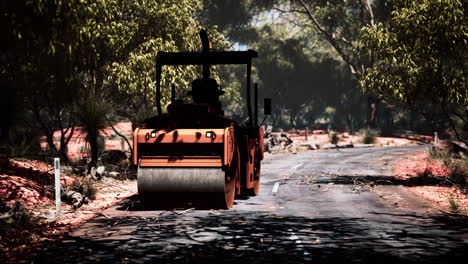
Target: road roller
[192, 154]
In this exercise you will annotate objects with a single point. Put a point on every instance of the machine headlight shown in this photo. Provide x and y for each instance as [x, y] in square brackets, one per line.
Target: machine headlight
[210, 134]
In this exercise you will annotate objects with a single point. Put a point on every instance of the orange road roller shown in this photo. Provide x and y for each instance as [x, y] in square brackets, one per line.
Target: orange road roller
[192, 154]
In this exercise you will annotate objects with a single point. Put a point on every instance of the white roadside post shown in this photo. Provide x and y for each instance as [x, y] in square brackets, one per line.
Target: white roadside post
[58, 201]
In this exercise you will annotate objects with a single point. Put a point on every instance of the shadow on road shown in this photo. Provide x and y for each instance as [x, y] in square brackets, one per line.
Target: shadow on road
[251, 237]
[385, 180]
[134, 203]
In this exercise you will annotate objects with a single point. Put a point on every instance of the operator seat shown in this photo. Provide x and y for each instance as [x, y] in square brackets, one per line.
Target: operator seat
[206, 91]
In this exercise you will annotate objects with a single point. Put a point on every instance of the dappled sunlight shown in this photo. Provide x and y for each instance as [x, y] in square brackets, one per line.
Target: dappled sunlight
[256, 238]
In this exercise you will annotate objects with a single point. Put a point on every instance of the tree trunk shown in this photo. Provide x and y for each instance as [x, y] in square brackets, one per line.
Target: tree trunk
[292, 119]
[94, 146]
[372, 103]
[50, 141]
[349, 120]
[63, 149]
[63, 154]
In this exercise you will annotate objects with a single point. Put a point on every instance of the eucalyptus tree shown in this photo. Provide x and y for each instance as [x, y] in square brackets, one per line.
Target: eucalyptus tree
[37, 63]
[337, 22]
[340, 24]
[422, 57]
[120, 41]
[63, 51]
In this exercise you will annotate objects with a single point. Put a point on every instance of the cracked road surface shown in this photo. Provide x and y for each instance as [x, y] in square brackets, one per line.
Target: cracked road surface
[314, 207]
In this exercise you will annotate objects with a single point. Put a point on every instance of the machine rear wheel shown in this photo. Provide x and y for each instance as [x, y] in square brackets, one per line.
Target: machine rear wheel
[256, 189]
[232, 178]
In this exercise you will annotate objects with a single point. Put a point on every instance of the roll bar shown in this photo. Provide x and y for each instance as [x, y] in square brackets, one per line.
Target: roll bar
[205, 58]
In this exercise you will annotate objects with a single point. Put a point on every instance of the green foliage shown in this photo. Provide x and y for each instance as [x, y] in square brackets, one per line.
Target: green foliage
[231, 80]
[16, 224]
[19, 148]
[22, 141]
[457, 168]
[299, 68]
[303, 83]
[454, 207]
[62, 52]
[421, 59]
[458, 171]
[91, 114]
[437, 153]
[140, 39]
[421, 52]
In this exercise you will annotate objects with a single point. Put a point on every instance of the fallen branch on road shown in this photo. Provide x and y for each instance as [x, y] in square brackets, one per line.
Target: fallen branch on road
[287, 178]
[461, 218]
[182, 212]
[107, 217]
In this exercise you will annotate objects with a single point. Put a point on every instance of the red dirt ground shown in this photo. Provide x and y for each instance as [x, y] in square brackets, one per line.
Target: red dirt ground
[322, 138]
[25, 182]
[412, 165]
[77, 147]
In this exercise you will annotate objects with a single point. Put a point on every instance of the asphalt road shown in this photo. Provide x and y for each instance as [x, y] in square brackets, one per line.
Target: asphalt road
[315, 207]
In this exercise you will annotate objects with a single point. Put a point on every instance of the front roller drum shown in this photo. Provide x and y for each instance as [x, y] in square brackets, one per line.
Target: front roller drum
[182, 187]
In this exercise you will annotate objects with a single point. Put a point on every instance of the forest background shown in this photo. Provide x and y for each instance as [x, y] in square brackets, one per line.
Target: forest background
[392, 67]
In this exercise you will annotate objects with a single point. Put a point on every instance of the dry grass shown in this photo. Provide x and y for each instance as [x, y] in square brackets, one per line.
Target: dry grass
[16, 225]
[438, 177]
[369, 136]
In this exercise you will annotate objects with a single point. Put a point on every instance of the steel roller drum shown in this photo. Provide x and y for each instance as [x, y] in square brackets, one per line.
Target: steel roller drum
[205, 187]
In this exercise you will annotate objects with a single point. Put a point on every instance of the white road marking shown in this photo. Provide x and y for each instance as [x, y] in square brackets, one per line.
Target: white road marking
[275, 187]
[297, 166]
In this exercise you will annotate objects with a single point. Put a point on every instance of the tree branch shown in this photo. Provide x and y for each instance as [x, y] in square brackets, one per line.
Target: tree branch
[120, 135]
[365, 4]
[354, 69]
[454, 127]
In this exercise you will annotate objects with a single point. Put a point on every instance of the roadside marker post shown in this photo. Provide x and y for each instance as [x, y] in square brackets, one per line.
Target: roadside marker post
[306, 134]
[58, 200]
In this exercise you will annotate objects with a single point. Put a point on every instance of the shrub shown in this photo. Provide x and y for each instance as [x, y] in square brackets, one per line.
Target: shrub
[369, 136]
[334, 138]
[22, 146]
[425, 174]
[126, 170]
[458, 171]
[85, 186]
[437, 153]
[16, 224]
[425, 177]
[454, 207]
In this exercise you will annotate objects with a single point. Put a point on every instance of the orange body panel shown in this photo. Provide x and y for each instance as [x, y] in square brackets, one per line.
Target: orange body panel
[180, 136]
[228, 146]
[181, 161]
[135, 146]
[194, 140]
